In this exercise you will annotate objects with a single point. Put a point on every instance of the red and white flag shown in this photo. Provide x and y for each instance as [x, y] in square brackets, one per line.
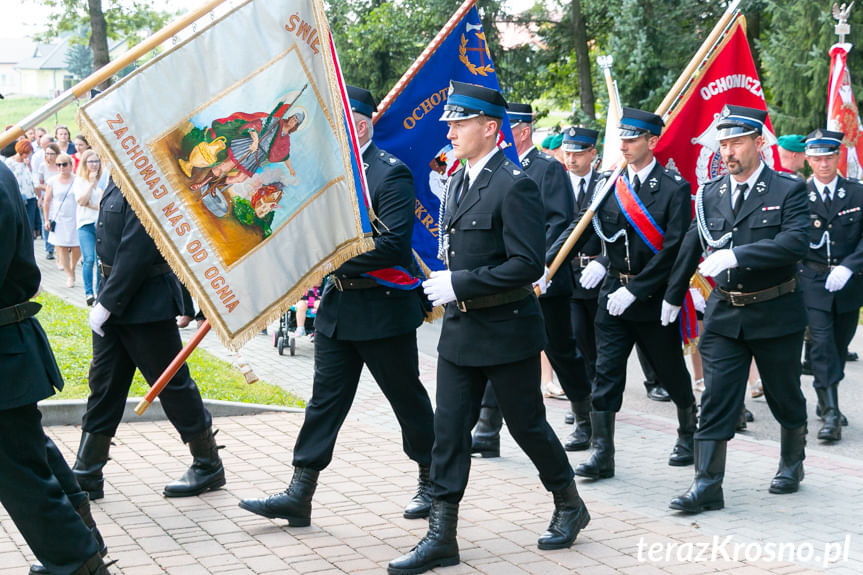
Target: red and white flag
[688, 143]
[842, 114]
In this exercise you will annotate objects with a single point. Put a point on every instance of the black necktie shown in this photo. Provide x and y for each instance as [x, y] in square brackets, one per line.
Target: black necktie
[580, 190]
[826, 198]
[738, 201]
[464, 187]
[636, 184]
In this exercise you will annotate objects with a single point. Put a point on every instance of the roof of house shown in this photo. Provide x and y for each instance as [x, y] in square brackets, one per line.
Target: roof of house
[53, 56]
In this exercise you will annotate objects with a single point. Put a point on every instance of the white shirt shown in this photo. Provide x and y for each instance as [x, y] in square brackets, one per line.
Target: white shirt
[86, 214]
[642, 173]
[521, 157]
[735, 185]
[826, 190]
[576, 183]
[474, 171]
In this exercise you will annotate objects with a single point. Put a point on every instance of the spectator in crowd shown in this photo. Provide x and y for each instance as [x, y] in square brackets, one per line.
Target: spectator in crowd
[41, 175]
[38, 158]
[63, 139]
[59, 212]
[19, 163]
[87, 196]
[81, 146]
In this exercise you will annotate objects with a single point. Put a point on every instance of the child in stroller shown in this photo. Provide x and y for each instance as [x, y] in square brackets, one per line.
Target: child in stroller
[290, 329]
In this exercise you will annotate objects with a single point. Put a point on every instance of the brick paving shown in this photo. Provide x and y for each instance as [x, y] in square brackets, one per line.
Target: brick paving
[357, 526]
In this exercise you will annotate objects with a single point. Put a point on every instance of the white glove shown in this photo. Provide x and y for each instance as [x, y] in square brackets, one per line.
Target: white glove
[718, 262]
[669, 313]
[543, 282]
[438, 288]
[592, 274]
[98, 316]
[619, 301]
[838, 278]
[698, 300]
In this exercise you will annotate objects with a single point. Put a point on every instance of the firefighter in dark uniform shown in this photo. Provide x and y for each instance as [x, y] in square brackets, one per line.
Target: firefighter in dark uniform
[360, 322]
[494, 246]
[830, 274]
[753, 223]
[579, 154]
[558, 204]
[640, 245]
[30, 490]
[134, 326]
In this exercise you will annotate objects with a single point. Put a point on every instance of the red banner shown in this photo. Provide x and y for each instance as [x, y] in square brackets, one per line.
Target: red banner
[688, 143]
[842, 114]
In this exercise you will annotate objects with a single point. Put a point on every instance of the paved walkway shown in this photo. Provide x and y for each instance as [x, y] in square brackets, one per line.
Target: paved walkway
[357, 526]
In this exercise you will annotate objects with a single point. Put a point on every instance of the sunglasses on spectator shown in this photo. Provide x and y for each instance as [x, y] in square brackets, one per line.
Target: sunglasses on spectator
[62, 164]
[94, 161]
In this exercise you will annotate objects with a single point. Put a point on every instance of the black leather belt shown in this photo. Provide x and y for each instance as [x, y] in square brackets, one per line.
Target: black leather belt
[818, 267]
[156, 270]
[481, 302]
[624, 278]
[18, 313]
[745, 298]
[343, 284]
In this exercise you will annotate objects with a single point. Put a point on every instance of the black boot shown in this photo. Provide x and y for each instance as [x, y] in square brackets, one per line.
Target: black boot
[206, 472]
[792, 453]
[293, 504]
[84, 511]
[92, 457]
[418, 507]
[486, 434]
[820, 409]
[439, 547]
[93, 566]
[828, 399]
[705, 493]
[741, 420]
[569, 416]
[579, 439]
[682, 453]
[570, 516]
[601, 462]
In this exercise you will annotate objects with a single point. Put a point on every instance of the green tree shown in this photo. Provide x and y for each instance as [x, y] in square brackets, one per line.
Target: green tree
[79, 61]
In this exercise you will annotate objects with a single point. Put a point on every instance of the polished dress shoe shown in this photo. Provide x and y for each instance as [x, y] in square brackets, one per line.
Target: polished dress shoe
[656, 392]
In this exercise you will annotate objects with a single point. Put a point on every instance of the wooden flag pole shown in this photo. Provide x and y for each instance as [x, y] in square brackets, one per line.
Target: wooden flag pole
[423, 58]
[83, 87]
[686, 77]
[172, 368]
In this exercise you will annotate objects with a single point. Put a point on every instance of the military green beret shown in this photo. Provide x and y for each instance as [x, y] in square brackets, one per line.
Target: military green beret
[792, 142]
[555, 142]
[546, 142]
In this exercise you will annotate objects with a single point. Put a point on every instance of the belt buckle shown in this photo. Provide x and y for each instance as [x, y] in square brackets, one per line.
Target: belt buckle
[624, 280]
[462, 306]
[583, 260]
[732, 297]
[19, 313]
[337, 281]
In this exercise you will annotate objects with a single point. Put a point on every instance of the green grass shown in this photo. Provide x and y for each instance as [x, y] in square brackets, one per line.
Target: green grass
[69, 332]
[14, 109]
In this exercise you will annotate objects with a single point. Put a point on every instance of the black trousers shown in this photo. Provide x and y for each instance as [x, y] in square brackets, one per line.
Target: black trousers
[64, 474]
[831, 333]
[615, 338]
[583, 313]
[650, 377]
[150, 347]
[560, 347]
[516, 385]
[393, 363]
[726, 364]
[32, 495]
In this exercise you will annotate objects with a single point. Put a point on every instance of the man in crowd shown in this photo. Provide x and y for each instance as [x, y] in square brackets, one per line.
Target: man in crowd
[494, 247]
[791, 156]
[754, 221]
[360, 322]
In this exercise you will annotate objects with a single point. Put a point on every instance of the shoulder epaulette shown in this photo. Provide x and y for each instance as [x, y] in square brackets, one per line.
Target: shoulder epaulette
[790, 176]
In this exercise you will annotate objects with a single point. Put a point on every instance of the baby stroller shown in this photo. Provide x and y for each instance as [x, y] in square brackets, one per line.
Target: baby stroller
[286, 335]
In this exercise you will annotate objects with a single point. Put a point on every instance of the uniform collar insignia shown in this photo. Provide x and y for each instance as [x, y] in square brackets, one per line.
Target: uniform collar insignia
[365, 166]
[812, 196]
[525, 162]
[723, 188]
[760, 186]
[841, 193]
[653, 182]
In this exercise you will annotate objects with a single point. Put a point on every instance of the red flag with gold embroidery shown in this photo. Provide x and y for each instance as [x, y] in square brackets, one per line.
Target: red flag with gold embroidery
[842, 113]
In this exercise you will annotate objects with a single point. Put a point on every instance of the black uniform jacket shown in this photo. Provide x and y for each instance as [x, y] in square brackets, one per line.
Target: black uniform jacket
[28, 372]
[844, 222]
[592, 247]
[496, 245]
[557, 200]
[769, 237]
[667, 197]
[131, 292]
[378, 312]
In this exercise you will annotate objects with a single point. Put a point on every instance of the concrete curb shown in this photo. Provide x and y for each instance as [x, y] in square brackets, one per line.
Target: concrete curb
[71, 411]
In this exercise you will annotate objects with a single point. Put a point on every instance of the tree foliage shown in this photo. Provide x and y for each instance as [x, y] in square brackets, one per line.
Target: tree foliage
[79, 61]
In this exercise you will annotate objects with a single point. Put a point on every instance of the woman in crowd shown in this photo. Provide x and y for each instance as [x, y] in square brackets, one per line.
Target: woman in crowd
[46, 170]
[19, 163]
[63, 137]
[59, 210]
[81, 146]
[87, 196]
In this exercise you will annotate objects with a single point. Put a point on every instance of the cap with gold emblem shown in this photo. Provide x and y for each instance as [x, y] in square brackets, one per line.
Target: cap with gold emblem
[823, 143]
[466, 101]
[736, 121]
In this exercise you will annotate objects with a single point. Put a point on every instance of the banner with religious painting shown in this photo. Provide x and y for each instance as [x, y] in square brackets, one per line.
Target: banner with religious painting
[236, 153]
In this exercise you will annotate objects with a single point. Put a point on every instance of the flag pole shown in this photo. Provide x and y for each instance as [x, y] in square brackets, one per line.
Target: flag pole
[423, 58]
[83, 87]
[689, 75]
[173, 368]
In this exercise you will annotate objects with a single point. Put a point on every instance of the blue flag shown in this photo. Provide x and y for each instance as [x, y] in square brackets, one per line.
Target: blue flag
[410, 128]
